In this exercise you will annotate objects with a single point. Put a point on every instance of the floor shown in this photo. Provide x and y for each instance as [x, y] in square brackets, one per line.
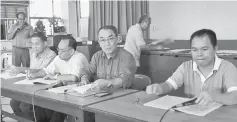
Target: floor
[6, 107]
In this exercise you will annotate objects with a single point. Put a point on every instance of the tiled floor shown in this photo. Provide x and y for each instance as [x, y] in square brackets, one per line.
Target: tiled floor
[6, 107]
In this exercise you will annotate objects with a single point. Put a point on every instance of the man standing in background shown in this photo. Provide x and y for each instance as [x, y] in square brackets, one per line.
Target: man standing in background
[20, 33]
[135, 41]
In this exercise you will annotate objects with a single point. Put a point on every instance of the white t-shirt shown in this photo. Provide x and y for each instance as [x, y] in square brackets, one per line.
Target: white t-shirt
[76, 65]
[133, 42]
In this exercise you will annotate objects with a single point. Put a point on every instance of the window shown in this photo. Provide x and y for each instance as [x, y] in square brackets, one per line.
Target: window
[84, 8]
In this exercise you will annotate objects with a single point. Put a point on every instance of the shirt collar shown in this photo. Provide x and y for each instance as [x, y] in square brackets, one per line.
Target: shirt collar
[113, 56]
[216, 64]
[139, 26]
[43, 53]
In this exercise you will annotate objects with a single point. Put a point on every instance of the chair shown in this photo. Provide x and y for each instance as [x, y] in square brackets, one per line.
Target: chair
[140, 82]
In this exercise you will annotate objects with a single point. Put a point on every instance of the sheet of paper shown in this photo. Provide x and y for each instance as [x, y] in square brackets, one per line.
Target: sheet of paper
[166, 102]
[82, 89]
[179, 50]
[63, 89]
[6, 75]
[199, 110]
[35, 81]
[161, 41]
[227, 51]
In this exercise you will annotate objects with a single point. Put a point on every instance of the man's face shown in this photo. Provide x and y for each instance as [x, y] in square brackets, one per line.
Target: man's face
[203, 53]
[107, 41]
[64, 51]
[146, 24]
[38, 45]
[21, 19]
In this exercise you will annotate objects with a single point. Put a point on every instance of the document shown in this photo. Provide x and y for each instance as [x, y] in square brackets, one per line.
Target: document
[166, 102]
[199, 110]
[161, 41]
[63, 89]
[230, 52]
[36, 81]
[6, 75]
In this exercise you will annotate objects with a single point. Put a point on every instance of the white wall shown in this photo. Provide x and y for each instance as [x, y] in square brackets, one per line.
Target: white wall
[180, 19]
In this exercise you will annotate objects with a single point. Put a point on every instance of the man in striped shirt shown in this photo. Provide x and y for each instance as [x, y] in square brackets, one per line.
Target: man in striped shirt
[206, 76]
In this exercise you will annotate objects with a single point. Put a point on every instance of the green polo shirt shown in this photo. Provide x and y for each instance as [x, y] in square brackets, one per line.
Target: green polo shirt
[22, 37]
[121, 65]
[222, 78]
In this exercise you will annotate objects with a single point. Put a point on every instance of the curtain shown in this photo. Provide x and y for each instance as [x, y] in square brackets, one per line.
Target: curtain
[121, 14]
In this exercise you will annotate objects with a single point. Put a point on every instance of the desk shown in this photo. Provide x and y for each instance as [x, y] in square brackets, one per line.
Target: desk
[123, 109]
[68, 104]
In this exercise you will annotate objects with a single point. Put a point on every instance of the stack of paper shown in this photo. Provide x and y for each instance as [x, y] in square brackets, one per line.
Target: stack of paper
[63, 89]
[167, 102]
[36, 81]
[6, 75]
[82, 89]
[199, 110]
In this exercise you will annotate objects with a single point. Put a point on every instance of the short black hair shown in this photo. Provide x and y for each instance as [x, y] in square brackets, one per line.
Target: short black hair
[143, 18]
[39, 35]
[20, 13]
[109, 27]
[205, 32]
[72, 42]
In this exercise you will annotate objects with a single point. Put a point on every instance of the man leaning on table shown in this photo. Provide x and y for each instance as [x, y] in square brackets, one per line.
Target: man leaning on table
[206, 76]
[40, 57]
[111, 66]
[135, 41]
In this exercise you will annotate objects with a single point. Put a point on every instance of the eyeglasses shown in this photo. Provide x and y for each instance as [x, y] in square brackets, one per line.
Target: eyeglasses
[110, 40]
[62, 51]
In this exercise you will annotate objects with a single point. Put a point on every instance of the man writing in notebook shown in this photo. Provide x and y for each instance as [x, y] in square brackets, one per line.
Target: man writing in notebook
[68, 67]
[112, 66]
[206, 76]
[40, 57]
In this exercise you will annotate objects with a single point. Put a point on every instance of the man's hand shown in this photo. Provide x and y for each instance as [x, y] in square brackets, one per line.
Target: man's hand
[101, 83]
[49, 77]
[154, 89]
[14, 72]
[56, 84]
[83, 83]
[204, 98]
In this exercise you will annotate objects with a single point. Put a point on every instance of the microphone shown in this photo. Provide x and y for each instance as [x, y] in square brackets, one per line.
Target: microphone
[187, 103]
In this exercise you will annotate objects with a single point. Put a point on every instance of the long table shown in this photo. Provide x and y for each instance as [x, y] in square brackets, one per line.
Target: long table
[64, 103]
[124, 109]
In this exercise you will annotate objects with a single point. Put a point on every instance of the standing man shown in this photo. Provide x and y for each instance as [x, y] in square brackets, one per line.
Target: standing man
[135, 41]
[20, 33]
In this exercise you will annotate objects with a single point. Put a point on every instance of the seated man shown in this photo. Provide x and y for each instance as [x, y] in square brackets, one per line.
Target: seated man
[68, 67]
[112, 66]
[206, 76]
[40, 57]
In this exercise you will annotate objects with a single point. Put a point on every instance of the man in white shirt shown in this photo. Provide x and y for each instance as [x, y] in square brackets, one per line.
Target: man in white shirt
[135, 41]
[69, 66]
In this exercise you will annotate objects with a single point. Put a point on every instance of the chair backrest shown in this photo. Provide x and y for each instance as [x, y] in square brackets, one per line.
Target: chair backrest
[140, 82]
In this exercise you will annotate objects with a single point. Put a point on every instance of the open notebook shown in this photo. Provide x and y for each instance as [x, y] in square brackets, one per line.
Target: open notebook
[75, 90]
[6, 75]
[167, 102]
[35, 81]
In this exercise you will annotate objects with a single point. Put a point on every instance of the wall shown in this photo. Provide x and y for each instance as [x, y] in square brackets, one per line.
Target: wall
[179, 19]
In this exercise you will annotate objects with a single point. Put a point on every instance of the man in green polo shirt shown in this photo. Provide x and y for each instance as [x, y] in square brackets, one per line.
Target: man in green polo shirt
[112, 66]
[20, 33]
[206, 76]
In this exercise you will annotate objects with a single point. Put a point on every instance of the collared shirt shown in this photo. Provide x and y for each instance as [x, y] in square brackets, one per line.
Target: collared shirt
[133, 42]
[222, 78]
[121, 65]
[77, 65]
[41, 60]
[21, 38]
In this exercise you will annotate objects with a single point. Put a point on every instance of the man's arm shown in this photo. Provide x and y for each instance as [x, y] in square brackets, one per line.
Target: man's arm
[12, 32]
[225, 98]
[67, 78]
